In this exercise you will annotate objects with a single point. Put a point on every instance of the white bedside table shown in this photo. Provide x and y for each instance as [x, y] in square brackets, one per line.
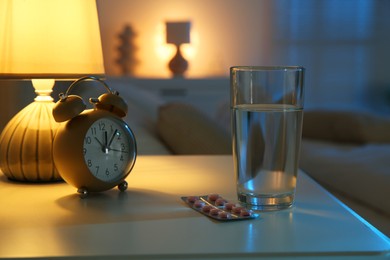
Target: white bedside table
[150, 221]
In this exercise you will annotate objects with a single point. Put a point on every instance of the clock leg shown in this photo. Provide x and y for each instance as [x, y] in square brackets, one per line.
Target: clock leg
[83, 192]
[122, 186]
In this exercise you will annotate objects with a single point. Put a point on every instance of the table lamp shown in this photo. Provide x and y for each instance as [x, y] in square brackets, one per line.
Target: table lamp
[43, 41]
[178, 33]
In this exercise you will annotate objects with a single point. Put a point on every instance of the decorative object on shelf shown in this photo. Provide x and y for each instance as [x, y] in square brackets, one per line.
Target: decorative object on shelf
[127, 60]
[43, 41]
[178, 33]
[94, 150]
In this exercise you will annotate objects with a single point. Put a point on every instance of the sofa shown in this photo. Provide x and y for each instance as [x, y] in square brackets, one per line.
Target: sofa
[347, 152]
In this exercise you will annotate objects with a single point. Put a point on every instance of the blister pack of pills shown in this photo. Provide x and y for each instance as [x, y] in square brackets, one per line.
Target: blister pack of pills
[216, 207]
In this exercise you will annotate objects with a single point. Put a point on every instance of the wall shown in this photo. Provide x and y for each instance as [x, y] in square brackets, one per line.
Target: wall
[344, 44]
[217, 33]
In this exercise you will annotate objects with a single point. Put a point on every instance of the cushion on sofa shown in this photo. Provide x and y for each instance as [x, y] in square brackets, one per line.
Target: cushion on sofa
[186, 130]
[361, 171]
[346, 127]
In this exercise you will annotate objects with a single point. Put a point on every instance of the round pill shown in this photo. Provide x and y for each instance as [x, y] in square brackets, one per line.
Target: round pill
[206, 208]
[214, 212]
[245, 213]
[220, 202]
[237, 209]
[212, 197]
[223, 214]
[192, 199]
[229, 206]
[198, 204]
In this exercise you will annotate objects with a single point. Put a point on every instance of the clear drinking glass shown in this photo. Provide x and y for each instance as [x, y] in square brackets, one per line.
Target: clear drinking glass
[267, 114]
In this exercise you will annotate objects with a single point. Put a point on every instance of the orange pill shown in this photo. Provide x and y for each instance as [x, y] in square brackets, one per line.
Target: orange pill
[214, 212]
[237, 209]
[198, 204]
[229, 206]
[192, 199]
[220, 202]
[223, 214]
[213, 197]
[206, 208]
[245, 213]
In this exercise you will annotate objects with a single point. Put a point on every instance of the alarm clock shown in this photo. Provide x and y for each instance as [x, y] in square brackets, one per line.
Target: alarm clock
[93, 149]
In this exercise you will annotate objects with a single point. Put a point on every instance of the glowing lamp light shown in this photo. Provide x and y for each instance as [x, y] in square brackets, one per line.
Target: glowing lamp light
[43, 40]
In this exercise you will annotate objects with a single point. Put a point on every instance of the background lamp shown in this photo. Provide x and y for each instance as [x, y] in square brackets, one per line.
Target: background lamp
[43, 41]
[178, 33]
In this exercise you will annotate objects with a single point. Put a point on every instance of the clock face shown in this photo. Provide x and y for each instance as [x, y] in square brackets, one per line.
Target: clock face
[109, 149]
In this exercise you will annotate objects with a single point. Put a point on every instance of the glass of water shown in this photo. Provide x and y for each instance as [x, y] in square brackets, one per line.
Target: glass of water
[267, 114]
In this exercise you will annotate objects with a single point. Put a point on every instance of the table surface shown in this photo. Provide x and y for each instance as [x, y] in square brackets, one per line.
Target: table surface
[149, 220]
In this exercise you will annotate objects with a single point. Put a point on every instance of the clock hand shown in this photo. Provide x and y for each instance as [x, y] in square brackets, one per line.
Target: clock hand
[105, 138]
[104, 148]
[112, 138]
[116, 150]
[99, 142]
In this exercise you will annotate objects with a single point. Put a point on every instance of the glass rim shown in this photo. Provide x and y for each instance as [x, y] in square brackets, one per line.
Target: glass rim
[266, 68]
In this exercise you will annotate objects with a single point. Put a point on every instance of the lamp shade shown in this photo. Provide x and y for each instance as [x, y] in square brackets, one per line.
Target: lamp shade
[43, 40]
[57, 39]
[178, 32]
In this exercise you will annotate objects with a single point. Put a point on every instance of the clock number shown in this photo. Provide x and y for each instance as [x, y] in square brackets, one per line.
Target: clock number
[116, 167]
[88, 140]
[89, 163]
[121, 159]
[93, 130]
[97, 170]
[123, 147]
[102, 126]
[85, 151]
[107, 172]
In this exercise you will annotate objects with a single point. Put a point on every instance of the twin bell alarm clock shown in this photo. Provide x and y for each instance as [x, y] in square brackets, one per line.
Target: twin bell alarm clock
[94, 149]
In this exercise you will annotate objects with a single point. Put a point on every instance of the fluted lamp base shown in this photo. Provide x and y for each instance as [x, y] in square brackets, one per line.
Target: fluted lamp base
[26, 143]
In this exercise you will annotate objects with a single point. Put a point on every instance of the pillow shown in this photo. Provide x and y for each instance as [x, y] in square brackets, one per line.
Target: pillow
[346, 126]
[143, 104]
[186, 130]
